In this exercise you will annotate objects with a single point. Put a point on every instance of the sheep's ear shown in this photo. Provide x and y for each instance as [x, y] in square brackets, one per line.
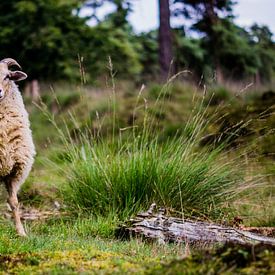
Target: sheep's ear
[17, 76]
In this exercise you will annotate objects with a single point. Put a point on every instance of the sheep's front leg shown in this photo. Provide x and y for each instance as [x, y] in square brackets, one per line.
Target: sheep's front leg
[13, 202]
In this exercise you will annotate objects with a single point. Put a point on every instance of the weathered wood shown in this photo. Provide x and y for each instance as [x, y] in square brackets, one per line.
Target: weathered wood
[265, 231]
[157, 226]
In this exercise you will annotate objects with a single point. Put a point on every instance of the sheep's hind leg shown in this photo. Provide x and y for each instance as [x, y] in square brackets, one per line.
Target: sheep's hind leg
[13, 202]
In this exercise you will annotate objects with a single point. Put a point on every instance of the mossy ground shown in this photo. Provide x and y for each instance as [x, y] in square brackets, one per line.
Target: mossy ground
[74, 262]
[224, 260]
[77, 247]
[83, 246]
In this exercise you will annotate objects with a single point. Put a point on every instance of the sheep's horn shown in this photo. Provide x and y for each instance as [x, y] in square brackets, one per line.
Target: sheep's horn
[10, 62]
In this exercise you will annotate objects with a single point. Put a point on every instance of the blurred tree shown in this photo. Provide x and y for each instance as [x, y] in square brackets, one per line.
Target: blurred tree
[262, 35]
[43, 35]
[165, 40]
[93, 6]
[189, 54]
[237, 59]
[114, 37]
[261, 39]
[207, 18]
[47, 36]
[118, 17]
[105, 41]
[148, 53]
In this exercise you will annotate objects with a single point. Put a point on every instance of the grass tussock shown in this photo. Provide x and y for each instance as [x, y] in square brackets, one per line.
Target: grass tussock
[129, 177]
[127, 172]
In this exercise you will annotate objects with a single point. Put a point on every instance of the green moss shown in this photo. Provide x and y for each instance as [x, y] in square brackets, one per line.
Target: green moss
[128, 260]
[226, 260]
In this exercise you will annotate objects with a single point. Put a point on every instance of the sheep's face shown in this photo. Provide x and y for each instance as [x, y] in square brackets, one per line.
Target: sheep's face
[6, 77]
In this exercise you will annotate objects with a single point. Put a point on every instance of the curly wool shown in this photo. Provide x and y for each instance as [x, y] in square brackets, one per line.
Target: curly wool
[17, 150]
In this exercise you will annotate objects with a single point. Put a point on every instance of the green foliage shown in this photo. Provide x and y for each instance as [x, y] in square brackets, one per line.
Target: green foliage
[189, 54]
[107, 42]
[50, 39]
[205, 13]
[187, 7]
[118, 17]
[228, 259]
[114, 38]
[229, 50]
[44, 36]
[148, 53]
[236, 56]
[261, 39]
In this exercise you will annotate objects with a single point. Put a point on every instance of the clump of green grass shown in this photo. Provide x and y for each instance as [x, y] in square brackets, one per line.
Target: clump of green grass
[126, 173]
[125, 179]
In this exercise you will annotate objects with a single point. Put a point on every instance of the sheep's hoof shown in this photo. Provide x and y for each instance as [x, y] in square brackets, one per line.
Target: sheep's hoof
[21, 232]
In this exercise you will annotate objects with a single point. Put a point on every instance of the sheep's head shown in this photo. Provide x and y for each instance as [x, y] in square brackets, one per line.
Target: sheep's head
[6, 75]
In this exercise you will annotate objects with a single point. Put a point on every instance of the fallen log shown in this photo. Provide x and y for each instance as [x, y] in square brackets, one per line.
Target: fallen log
[155, 225]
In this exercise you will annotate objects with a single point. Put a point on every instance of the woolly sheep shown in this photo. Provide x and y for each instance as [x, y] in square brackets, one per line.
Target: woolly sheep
[16, 145]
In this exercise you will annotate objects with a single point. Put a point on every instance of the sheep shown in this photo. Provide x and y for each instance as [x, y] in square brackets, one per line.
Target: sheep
[17, 150]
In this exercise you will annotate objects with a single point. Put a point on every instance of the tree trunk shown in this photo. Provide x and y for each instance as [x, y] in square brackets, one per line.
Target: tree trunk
[165, 40]
[219, 73]
[35, 90]
[32, 90]
[257, 79]
[213, 19]
[210, 12]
